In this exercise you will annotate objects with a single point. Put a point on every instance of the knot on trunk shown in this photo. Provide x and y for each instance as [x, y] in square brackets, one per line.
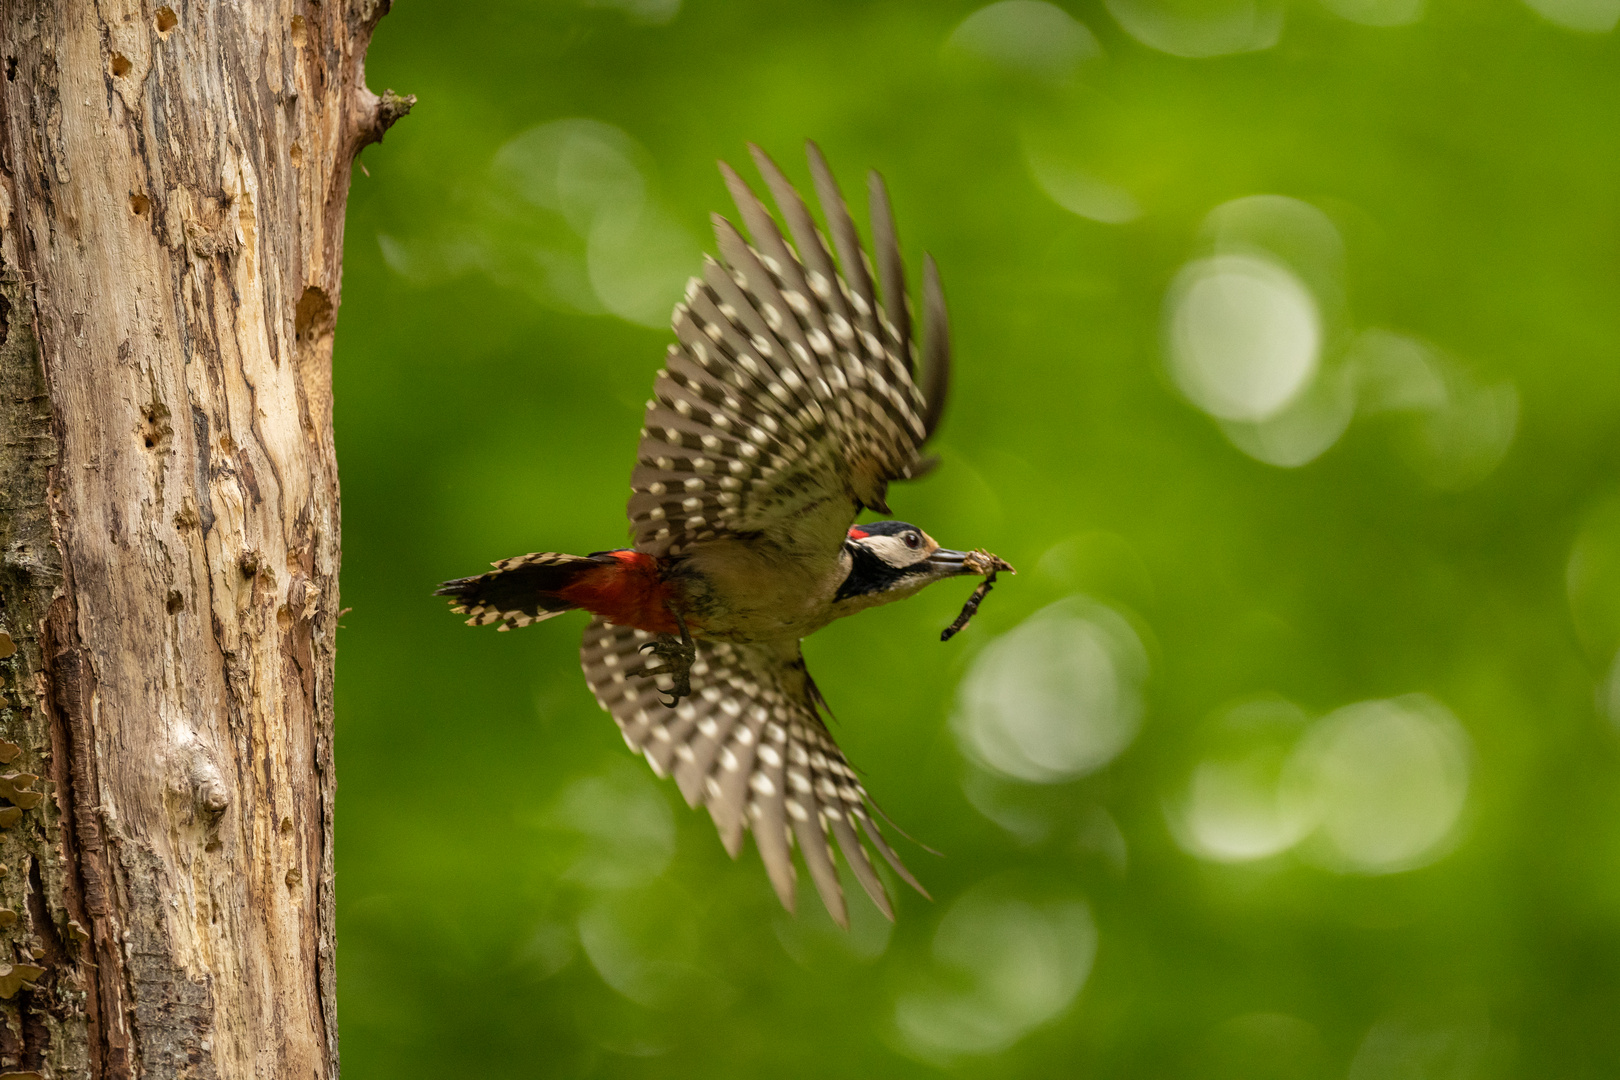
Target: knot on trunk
[390, 107]
[378, 114]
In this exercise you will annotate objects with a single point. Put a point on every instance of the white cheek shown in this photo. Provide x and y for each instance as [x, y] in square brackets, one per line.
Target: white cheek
[893, 550]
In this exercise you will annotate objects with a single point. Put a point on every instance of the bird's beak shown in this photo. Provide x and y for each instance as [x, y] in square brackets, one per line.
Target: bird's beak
[948, 563]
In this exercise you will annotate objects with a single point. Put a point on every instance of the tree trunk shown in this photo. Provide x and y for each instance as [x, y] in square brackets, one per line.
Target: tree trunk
[172, 188]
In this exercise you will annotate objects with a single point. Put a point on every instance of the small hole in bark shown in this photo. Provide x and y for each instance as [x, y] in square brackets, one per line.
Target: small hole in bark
[120, 65]
[314, 317]
[286, 824]
[296, 154]
[294, 876]
[11, 69]
[139, 203]
[176, 602]
[166, 20]
[156, 432]
[300, 32]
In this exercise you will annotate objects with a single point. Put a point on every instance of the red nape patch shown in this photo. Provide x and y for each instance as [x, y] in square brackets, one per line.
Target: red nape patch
[858, 533]
[628, 591]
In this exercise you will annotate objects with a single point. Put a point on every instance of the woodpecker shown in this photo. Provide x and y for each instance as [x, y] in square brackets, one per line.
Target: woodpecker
[786, 408]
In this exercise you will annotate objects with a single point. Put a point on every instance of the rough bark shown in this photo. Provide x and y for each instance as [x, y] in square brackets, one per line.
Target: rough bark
[172, 188]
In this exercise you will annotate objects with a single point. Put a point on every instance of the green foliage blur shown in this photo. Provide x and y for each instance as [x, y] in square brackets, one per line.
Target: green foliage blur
[1291, 751]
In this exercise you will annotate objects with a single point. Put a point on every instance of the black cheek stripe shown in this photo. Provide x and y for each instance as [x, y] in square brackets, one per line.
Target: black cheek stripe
[869, 574]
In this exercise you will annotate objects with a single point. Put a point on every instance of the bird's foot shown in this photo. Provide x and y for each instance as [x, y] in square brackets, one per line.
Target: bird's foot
[677, 656]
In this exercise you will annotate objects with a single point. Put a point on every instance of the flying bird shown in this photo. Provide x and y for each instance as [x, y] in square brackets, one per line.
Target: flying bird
[787, 407]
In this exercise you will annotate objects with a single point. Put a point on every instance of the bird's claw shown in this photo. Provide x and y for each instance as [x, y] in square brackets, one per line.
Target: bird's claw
[677, 657]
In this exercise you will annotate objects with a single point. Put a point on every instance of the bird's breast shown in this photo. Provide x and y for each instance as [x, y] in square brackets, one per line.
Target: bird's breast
[742, 592]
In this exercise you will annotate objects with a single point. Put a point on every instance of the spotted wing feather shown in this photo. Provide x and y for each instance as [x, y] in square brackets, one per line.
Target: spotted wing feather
[789, 402]
[749, 745]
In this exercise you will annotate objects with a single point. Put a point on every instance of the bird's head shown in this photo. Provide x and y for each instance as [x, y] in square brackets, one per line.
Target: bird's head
[891, 560]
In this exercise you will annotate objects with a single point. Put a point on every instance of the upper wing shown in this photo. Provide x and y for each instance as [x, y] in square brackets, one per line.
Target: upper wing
[749, 745]
[789, 403]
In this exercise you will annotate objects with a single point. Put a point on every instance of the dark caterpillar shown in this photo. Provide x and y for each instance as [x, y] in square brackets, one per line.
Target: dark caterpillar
[991, 565]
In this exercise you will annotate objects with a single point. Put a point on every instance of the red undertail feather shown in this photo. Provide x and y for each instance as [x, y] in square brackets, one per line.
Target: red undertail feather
[623, 587]
[628, 591]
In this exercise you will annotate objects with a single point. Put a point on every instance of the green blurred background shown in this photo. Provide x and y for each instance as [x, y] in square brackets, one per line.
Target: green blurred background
[1286, 342]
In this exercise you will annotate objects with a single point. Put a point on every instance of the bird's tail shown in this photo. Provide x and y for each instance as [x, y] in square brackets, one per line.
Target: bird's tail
[522, 590]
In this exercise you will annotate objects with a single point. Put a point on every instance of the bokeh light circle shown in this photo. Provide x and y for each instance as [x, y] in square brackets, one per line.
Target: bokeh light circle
[1058, 696]
[1244, 336]
[1005, 963]
[1198, 28]
[1235, 807]
[1026, 36]
[1386, 782]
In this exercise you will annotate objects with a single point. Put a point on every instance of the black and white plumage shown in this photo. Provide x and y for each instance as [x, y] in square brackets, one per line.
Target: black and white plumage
[790, 399]
[750, 746]
[788, 406]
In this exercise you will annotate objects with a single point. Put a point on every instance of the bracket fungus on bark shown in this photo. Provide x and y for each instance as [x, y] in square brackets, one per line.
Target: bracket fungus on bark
[17, 788]
[14, 977]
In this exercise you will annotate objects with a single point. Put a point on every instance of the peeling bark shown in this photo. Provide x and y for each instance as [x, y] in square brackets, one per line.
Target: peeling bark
[172, 187]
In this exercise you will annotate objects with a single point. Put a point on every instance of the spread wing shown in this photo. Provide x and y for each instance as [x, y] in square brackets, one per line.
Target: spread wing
[789, 403]
[749, 745]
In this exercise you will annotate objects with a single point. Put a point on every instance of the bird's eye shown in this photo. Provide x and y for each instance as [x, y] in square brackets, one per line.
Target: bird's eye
[912, 540]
